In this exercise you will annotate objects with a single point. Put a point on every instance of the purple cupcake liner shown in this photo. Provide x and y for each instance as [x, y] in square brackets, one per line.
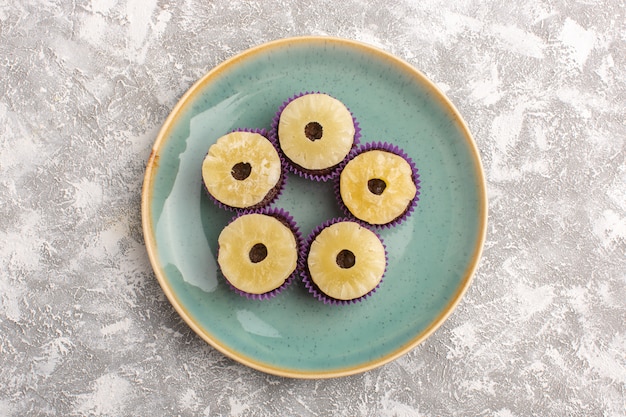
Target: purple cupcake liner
[293, 167]
[287, 219]
[306, 276]
[282, 181]
[388, 147]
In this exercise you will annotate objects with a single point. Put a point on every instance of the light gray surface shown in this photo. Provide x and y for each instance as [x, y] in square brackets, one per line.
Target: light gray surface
[86, 330]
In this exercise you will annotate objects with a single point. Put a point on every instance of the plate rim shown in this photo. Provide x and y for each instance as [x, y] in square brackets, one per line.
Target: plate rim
[150, 235]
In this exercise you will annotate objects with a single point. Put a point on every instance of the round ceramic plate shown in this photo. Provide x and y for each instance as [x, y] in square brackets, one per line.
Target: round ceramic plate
[432, 255]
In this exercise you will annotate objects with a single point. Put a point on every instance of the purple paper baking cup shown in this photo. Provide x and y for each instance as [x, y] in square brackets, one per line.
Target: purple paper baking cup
[287, 219]
[306, 275]
[273, 194]
[319, 175]
[391, 148]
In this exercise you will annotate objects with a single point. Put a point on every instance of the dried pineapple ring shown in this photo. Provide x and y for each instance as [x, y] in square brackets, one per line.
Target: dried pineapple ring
[242, 169]
[257, 253]
[346, 260]
[377, 186]
[316, 131]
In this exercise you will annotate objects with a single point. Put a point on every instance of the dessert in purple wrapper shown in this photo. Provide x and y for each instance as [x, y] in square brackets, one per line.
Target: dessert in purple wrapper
[343, 262]
[243, 170]
[315, 133]
[379, 185]
[258, 252]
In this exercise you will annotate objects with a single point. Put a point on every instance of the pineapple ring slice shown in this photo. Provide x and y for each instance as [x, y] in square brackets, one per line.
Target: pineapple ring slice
[257, 253]
[261, 173]
[346, 260]
[316, 131]
[377, 186]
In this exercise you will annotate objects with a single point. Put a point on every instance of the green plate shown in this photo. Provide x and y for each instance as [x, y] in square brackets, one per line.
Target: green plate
[432, 255]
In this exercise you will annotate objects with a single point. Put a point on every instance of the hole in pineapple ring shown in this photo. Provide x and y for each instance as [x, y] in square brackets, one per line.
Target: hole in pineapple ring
[313, 131]
[345, 259]
[376, 186]
[241, 170]
[258, 253]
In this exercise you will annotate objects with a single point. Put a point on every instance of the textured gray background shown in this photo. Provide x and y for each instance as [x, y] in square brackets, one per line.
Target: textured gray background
[86, 330]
